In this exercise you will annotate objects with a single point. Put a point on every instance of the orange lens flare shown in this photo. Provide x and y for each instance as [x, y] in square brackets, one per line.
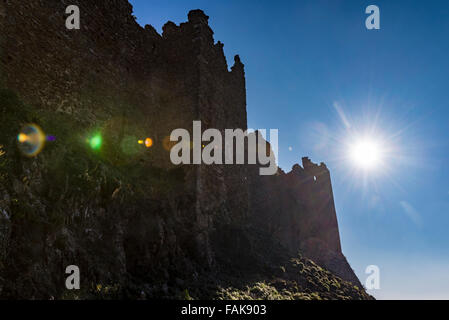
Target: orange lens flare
[22, 137]
[148, 143]
[167, 144]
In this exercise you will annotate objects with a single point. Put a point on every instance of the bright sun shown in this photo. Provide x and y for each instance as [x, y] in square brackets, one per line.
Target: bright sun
[366, 154]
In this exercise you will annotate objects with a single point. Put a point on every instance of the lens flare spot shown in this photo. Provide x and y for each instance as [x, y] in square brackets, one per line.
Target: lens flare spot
[148, 142]
[168, 144]
[95, 142]
[22, 137]
[31, 140]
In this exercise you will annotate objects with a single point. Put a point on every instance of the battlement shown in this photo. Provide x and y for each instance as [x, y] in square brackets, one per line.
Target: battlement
[318, 171]
[198, 17]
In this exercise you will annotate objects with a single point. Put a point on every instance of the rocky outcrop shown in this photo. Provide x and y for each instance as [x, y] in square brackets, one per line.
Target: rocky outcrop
[135, 224]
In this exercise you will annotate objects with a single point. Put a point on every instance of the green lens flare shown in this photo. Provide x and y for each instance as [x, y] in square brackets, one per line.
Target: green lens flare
[95, 142]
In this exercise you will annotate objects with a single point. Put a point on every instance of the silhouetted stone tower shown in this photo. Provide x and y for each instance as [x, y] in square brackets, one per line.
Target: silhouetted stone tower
[216, 96]
[319, 199]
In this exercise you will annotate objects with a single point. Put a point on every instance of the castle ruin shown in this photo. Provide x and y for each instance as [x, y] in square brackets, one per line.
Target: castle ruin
[112, 66]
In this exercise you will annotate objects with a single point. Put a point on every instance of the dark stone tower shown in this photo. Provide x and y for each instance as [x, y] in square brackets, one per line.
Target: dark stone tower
[319, 199]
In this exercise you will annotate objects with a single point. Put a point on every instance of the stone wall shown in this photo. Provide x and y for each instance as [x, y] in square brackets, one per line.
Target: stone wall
[112, 68]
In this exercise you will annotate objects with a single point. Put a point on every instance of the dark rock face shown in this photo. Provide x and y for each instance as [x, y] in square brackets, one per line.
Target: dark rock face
[135, 224]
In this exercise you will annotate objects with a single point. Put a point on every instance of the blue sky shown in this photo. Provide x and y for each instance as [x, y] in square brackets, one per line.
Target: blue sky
[316, 73]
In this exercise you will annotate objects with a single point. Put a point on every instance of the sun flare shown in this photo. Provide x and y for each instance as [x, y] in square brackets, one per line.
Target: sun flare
[366, 153]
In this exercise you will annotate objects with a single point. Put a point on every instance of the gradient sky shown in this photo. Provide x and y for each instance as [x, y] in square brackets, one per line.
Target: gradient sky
[315, 72]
